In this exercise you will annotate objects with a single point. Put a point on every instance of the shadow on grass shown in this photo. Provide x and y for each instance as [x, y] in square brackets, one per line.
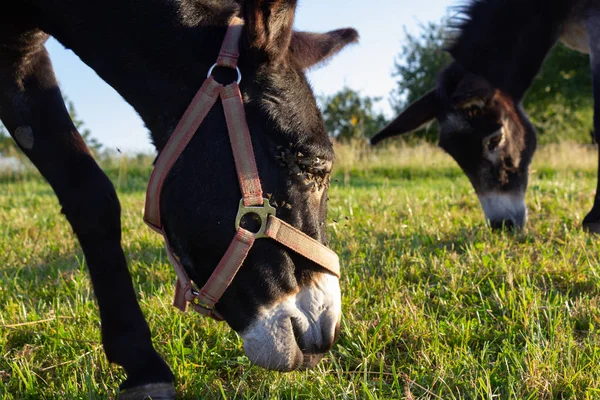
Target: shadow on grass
[53, 283]
[55, 270]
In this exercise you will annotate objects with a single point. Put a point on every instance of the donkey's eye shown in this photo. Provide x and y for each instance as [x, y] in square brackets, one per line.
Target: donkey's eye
[322, 166]
[494, 142]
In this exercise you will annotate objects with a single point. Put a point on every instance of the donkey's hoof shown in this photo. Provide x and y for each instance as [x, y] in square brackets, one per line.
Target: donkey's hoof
[592, 227]
[151, 391]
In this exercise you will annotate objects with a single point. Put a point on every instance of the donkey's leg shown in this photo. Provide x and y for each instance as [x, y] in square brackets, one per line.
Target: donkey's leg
[592, 220]
[32, 109]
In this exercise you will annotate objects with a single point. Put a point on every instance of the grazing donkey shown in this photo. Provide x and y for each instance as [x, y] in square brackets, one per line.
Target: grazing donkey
[500, 47]
[285, 304]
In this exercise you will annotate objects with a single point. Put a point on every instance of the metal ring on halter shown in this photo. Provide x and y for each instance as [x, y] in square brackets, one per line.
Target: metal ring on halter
[262, 212]
[239, 73]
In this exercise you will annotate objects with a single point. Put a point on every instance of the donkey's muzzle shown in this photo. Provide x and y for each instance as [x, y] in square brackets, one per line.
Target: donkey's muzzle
[504, 210]
[297, 331]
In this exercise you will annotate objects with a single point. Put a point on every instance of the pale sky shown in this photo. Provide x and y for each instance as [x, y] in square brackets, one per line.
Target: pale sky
[366, 67]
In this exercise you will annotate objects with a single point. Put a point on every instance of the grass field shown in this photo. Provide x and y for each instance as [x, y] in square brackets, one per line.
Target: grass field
[435, 305]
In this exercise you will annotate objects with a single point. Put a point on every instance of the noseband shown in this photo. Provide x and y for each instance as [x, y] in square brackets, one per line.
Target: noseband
[204, 300]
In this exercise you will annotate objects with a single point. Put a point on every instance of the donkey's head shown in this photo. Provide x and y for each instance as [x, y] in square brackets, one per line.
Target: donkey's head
[286, 308]
[486, 132]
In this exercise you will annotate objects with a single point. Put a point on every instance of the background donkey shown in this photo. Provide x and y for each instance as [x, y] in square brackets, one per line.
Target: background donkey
[156, 55]
[477, 102]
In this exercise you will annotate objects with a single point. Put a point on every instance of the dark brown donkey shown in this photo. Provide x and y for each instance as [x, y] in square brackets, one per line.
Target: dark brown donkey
[156, 55]
[500, 47]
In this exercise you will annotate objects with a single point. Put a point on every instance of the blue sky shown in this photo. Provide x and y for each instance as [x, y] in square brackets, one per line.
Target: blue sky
[366, 67]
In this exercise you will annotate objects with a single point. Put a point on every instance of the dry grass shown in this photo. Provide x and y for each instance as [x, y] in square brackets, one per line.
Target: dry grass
[561, 156]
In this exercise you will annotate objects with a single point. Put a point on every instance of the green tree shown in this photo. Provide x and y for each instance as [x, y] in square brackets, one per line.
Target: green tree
[348, 115]
[421, 58]
[416, 68]
[6, 143]
[560, 101]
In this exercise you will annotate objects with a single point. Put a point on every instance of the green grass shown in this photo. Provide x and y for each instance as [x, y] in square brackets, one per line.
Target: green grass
[435, 305]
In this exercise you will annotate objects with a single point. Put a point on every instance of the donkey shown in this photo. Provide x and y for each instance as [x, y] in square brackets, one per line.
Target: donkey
[499, 48]
[286, 307]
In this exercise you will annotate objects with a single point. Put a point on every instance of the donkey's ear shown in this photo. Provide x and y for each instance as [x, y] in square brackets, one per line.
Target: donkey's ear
[472, 91]
[308, 49]
[416, 115]
[269, 25]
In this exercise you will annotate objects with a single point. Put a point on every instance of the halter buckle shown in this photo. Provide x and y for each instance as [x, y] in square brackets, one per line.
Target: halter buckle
[262, 211]
[196, 302]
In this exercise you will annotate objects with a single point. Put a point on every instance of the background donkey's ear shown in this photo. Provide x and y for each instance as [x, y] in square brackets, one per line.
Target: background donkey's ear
[472, 91]
[416, 115]
[269, 25]
[308, 49]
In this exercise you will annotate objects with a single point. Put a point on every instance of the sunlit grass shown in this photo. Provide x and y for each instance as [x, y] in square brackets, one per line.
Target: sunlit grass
[435, 306]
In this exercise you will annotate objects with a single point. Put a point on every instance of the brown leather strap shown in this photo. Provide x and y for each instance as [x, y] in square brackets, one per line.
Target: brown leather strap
[184, 131]
[241, 145]
[228, 267]
[303, 244]
[230, 53]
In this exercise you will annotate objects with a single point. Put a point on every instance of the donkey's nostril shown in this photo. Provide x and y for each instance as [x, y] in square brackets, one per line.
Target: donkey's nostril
[298, 334]
[327, 343]
[318, 340]
[499, 224]
[336, 333]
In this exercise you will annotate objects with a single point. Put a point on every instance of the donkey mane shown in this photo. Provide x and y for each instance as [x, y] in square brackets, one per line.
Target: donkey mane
[506, 41]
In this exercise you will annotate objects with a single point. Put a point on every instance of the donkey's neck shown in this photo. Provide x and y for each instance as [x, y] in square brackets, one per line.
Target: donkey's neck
[507, 41]
[155, 55]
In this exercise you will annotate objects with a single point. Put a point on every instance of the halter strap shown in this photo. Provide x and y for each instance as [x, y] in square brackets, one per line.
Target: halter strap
[201, 104]
[241, 145]
[204, 300]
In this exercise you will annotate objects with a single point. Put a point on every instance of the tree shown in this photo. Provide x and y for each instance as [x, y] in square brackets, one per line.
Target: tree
[416, 68]
[420, 60]
[348, 115]
[6, 143]
[560, 100]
